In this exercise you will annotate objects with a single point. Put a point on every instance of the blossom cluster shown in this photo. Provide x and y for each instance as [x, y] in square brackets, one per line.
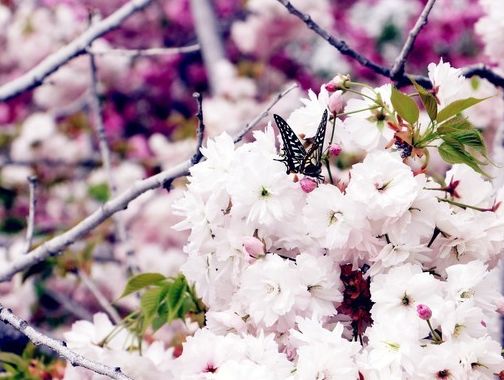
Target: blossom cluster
[381, 271]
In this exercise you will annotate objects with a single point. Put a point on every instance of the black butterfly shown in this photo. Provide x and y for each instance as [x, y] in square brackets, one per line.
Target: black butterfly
[295, 156]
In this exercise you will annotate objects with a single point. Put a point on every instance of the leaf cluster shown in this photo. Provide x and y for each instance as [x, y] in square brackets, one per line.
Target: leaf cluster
[163, 300]
[456, 139]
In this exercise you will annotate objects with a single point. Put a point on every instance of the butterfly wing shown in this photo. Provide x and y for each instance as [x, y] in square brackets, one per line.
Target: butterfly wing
[311, 165]
[294, 151]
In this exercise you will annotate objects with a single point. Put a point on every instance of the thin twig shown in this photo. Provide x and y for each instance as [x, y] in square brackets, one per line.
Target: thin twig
[210, 40]
[201, 129]
[401, 80]
[69, 305]
[88, 163]
[339, 44]
[100, 297]
[56, 245]
[35, 77]
[263, 114]
[134, 53]
[398, 67]
[96, 110]
[32, 183]
[58, 346]
[97, 114]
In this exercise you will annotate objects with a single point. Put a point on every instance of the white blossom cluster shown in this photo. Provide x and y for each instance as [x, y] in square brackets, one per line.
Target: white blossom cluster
[265, 252]
[269, 254]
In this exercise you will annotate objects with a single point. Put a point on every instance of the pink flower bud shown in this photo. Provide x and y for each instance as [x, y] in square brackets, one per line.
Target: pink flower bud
[330, 87]
[424, 312]
[308, 184]
[336, 102]
[339, 82]
[334, 150]
[253, 246]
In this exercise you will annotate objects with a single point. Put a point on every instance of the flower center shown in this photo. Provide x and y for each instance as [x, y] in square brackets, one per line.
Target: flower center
[272, 288]
[381, 186]
[405, 300]
[333, 216]
[443, 374]
[264, 192]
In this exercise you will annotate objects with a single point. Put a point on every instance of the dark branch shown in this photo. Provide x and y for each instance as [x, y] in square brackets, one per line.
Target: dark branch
[398, 68]
[201, 129]
[341, 45]
[401, 79]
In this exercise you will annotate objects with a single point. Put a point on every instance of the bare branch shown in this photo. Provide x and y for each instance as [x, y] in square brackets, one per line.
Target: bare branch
[32, 183]
[398, 68]
[59, 346]
[401, 79]
[134, 53]
[100, 297]
[97, 113]
[69, 305]
[96, 110]
[55, 246]
[484, 72]
[53, 62]
[89, 163]
[201, 129]
[209, 39]
[341, 45]
[262, 115]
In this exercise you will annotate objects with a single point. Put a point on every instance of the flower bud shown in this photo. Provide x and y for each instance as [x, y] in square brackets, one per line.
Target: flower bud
[424, 312]
[253, 246]
[335, 150]
[339, 82]
[308, 184]
[336, 102]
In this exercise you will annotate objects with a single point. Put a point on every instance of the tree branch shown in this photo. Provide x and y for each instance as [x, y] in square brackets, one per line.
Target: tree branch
[100, 297]
[53, 62]
[97, 114]
[59, 347]
[134, 53]
[209, 39]
[262, 115]
[341, 45]
[398, 67]
[32, 182]
[201, 129]
[55, 246]
[68, 304]
[402, 79]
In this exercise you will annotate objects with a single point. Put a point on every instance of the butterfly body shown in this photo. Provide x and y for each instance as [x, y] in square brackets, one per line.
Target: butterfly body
[295, 157]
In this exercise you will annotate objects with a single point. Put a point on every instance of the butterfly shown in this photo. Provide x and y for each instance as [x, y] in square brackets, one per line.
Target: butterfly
[295, 156]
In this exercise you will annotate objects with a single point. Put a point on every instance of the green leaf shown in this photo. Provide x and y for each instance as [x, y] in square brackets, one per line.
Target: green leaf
[158, 322]
[150, 302]
[456, 107]
[453, 125]
[141, 281]
[176, 298]
[454, 153]
[470, 138]
[404, 106]
[99, 192]
[429, 101]
[16, 360]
